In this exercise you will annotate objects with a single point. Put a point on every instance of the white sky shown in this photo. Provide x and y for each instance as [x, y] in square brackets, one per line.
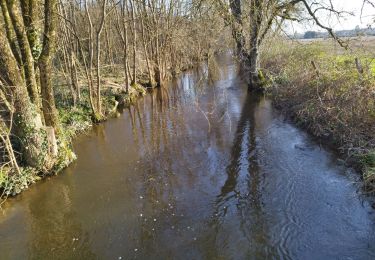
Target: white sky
[348, 22]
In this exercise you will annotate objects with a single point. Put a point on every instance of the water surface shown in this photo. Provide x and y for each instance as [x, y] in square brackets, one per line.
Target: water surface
[198, 170]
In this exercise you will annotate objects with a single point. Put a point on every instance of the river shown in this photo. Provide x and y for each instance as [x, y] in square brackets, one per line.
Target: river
[201, 169]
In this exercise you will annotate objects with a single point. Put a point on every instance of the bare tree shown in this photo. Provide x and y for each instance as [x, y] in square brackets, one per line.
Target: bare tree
[147, 41]
[98, 46]
[262, 17]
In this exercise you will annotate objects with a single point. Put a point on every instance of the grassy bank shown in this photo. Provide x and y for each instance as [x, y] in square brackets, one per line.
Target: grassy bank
[74, 120]
[330, 92]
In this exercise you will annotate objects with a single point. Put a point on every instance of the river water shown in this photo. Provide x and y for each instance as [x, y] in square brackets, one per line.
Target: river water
[199, 170]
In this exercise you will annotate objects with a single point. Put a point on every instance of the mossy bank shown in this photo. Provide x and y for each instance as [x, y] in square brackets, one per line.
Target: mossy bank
[74, 120]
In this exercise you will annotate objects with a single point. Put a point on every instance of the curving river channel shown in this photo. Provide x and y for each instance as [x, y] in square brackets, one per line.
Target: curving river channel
[198, 170]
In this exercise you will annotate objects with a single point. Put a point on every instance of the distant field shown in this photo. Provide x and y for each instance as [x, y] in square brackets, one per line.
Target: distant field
[366, 43]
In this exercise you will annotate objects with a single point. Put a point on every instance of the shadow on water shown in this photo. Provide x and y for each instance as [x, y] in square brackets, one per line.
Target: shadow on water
[241, 193]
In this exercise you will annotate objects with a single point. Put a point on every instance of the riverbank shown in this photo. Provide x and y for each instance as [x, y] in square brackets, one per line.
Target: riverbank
[74, 120]
[330, 92]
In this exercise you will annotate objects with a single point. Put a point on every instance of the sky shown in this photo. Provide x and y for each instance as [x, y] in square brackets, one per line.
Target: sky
[348, 22]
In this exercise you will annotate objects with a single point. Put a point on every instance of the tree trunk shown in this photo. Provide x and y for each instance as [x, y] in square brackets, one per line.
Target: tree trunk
[10, 33]
[134, 79]
[150, 78]
[45, 64]
[73, 73]
[125, 42]
[27, 125]
[29, 14]
[98, 78]
[237, 30]
[88, 67]
[26, 53]
[254, 77]
[253, 58]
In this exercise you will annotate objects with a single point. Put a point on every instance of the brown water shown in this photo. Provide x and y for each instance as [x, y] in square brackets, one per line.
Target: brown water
[200, 170]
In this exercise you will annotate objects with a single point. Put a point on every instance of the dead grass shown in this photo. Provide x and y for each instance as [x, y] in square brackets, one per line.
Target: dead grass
[325, 91]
